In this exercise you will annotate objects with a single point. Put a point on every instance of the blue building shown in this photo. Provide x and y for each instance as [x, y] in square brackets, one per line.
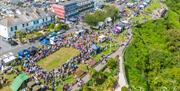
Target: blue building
[71, 9]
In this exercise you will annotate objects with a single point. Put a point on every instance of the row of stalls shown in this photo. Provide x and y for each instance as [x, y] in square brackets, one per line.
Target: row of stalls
[24, 83]
[49, 39]
[31, 51]
[6, 59]
[118, 28]
[107, 22]
[141, 4]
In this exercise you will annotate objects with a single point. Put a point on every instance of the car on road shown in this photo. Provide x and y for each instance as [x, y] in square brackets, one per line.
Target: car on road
[12, 42]
[6, 39]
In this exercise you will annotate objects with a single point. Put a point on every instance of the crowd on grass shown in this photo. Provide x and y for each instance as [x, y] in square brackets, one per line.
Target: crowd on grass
[82, 42]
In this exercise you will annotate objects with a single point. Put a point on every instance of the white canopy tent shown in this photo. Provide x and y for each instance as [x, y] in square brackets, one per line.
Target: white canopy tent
[8, 58]
[102, 38]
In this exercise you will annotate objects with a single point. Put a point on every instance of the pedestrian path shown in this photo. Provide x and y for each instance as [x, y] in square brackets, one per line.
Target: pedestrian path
[122, 81]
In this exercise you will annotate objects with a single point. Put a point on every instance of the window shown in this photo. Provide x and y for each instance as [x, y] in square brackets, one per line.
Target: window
[15, 27]
[22, 25]
[11, 29]
[27, 24]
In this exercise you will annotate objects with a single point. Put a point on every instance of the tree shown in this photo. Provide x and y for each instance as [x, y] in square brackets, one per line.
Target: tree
[111, 11]
[58, 27]
[51, 26]
[100, 15]
[91, 19]
[124, 88]
[20, 35]
[112, 63]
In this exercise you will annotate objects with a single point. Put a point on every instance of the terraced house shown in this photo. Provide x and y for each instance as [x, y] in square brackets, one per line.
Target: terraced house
[25, 20]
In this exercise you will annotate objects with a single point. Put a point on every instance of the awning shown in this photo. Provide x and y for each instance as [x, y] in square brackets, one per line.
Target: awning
[9, 59]
[16, 84]
[102, 36]
[36, 88]
[95, 47]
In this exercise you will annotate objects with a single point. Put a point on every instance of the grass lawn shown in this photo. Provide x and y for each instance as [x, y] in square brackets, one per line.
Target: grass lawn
[58, 58]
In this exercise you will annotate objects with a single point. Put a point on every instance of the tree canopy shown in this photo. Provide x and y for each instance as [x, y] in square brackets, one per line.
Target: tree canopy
[152, 58]
[100, 15]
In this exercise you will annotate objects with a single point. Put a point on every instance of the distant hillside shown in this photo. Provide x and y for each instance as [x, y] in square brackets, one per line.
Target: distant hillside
[153, 57]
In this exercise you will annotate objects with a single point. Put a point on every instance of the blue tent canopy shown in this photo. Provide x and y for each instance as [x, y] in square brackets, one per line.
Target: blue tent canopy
[23, 53]
[95, 47]
[45, 41]
[52, 34]
[41, 38]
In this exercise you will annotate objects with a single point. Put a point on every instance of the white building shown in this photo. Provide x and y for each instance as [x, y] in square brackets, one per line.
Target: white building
[24, 20]
[98, 3]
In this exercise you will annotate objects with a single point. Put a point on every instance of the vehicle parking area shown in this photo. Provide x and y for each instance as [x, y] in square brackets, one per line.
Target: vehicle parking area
[4, 46]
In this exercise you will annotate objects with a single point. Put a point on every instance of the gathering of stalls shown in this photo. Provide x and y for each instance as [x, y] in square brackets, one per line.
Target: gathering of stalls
[6, 59]
[118, 28]
[102, 24]
[83, 41]
[24, 82]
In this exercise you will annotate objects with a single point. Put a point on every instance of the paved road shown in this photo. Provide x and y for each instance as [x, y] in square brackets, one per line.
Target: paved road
[122, 81]
[6, 47]
[14, 49]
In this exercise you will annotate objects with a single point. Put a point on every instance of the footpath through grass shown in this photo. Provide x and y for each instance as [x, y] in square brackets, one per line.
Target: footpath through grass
[58, 58]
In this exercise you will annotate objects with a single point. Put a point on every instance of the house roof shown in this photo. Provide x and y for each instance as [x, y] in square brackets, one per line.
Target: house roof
[18, 81]
[24, 16]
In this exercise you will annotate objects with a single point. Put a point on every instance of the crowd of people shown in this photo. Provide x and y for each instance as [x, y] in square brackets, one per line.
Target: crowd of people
[81, 42]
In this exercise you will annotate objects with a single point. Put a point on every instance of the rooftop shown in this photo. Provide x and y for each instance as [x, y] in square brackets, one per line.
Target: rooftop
[23, 15]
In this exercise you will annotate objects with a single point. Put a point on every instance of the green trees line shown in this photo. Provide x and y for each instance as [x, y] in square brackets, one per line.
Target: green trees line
[152, 58]
[100, 15]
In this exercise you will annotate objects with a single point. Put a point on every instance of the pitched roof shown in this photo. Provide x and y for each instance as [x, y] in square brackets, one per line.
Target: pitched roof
[27, 15]
[18, 81]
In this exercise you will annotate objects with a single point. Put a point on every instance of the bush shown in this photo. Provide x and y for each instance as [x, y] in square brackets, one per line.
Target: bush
[51, 26]
[124, 89]
[58, 27]
[101, 15]
[112, 63]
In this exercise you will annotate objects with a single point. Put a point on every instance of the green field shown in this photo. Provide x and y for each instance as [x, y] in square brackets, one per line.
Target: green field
[58, 58]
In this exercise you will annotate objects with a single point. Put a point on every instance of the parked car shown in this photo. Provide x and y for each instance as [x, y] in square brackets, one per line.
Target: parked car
[6, 39]
[12, 42]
